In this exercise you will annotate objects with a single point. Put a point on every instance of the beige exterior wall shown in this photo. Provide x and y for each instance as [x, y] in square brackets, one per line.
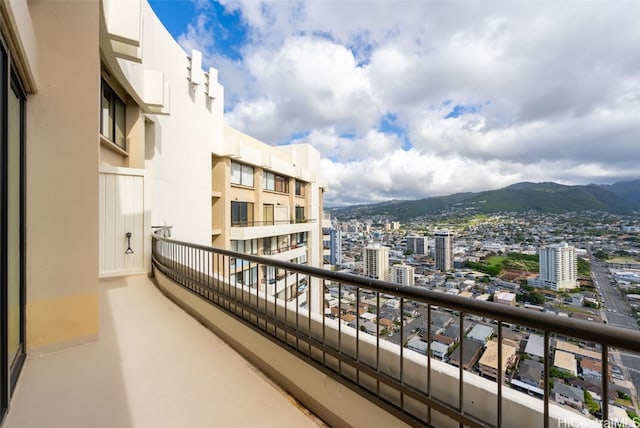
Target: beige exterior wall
[299, 163]
[62, 180]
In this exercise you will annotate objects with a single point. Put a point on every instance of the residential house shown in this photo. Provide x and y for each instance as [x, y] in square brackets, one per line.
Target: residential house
[567, 394]
[530, 372]
[488, 363]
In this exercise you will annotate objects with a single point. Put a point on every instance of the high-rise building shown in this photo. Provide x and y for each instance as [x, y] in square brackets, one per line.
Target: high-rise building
[443, 250]
[269, 203]
[558, 267]
[403, 274]
[418, 244]
[332, 246]
[376, 261]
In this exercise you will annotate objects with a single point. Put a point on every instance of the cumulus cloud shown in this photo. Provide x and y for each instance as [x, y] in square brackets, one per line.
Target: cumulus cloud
[438, 97]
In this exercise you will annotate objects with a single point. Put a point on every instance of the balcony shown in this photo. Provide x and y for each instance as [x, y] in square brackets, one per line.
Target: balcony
[242, 230]
[154, 366]
[351, 373]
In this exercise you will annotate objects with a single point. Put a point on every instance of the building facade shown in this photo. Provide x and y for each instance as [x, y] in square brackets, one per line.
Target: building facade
[558, 267]
[403, 274]
[108, 128]
[443, 250]
[376, 261]
[335, 247]
[267, 200]
[418, 245]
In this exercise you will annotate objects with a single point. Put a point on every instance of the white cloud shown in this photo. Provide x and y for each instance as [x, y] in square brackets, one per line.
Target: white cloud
[549, 91]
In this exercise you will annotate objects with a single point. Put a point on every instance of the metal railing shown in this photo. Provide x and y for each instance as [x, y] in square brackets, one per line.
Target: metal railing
[284, 249]
[358, 356]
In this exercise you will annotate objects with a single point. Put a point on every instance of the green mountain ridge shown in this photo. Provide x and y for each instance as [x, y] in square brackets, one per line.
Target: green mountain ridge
[623, 197]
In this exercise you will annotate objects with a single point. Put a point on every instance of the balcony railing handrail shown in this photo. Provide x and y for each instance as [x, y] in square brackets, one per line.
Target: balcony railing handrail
[191, 266]
[280, 250]
[587, 330]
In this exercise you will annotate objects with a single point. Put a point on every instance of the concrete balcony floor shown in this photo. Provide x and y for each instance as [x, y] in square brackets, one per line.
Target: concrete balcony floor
[154, 366]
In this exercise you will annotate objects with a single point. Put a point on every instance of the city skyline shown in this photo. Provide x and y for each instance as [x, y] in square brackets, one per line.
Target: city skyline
[434, 97]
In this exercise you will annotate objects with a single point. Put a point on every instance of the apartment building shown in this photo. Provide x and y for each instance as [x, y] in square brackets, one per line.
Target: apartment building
[267, 200]
[418, 244]
[443, 250]
[558, 267]
[332, 246]
[108, 129]
[403, 274]
[376, 261]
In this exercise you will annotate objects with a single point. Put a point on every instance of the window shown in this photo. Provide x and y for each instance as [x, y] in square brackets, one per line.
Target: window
[300, 187]
[241, 214]
[241, 174]
[299, 214]
[267, 214]
[112, 117]
[282, 184]
[248, 246]
[12, 228]
[275, 182]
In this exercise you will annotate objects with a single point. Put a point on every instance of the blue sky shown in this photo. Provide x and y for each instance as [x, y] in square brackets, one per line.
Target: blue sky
[429, 97]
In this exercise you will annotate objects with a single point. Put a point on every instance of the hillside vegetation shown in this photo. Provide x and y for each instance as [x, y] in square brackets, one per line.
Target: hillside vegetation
[520, 197]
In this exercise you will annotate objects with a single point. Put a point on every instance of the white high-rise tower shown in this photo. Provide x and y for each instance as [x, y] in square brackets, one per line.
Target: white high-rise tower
[558, 267]
[376, 261]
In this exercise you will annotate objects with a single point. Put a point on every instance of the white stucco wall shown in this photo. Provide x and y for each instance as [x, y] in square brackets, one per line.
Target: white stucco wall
[178, 152]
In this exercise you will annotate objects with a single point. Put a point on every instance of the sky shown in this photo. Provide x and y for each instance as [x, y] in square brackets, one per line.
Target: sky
[412, 99]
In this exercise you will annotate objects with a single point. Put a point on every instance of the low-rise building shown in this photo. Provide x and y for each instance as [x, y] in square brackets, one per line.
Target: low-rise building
[481, 332]
[489, 361]
[505, 298]
[530, 372]
[535, 346]
[565, 361]
[569, 395]
[591, 369]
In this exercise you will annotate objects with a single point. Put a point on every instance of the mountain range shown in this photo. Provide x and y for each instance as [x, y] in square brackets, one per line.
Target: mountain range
[622, 197]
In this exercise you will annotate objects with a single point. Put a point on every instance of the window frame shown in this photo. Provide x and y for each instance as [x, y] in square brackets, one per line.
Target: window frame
[268, 214]
[246, 174]
[300, 188]
[238, 208]
[117, 132]
[279, 183]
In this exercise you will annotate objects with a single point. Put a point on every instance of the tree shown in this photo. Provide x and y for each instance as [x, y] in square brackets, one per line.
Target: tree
[592, 405]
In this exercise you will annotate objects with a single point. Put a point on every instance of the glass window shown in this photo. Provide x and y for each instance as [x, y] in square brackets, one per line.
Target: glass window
[112, 121]
[249, 246]
[300, 214]
[241, 213]
[267, 214]
[241, 174]
[275, 182]
[300, 188]
[282, 184]
[268, 181]
[236, 173]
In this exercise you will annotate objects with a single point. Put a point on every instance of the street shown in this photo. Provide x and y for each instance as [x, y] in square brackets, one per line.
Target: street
[617, 313]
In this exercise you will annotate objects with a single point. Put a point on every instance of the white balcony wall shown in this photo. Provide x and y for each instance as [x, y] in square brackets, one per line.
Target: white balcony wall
[290, 254]
[241, 233]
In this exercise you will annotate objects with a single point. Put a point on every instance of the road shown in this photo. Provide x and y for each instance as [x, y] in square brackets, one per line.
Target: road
[618, 314]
